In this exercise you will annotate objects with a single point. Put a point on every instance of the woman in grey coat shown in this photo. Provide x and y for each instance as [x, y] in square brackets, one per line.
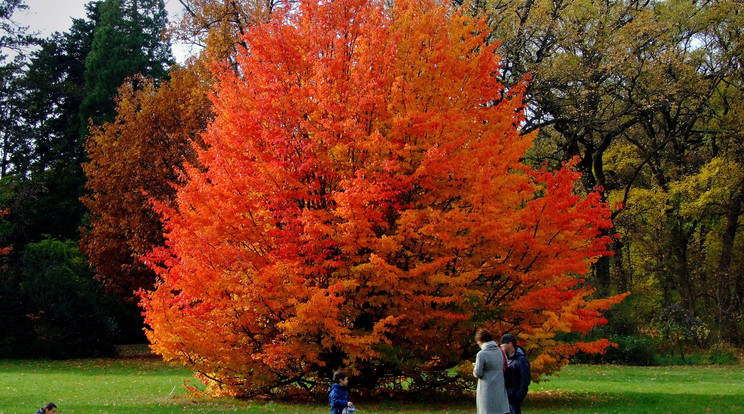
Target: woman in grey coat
[490, 398]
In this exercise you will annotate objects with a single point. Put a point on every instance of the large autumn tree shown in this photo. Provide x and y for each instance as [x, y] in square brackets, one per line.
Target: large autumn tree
[360, 202]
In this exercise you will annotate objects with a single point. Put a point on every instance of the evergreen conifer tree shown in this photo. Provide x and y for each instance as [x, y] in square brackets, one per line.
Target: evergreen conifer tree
[128, 40]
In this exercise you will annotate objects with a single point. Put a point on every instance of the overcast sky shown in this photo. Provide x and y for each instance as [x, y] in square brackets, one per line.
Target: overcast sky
[49, 16]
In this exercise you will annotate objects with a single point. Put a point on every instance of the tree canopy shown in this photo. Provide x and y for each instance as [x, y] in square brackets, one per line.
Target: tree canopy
[360, 201]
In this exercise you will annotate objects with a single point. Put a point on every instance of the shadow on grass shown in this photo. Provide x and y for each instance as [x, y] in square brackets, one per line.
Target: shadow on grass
[538, 403]
[568, 400]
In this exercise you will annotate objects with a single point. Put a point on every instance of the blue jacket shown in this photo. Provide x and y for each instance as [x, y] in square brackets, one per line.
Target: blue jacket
[339, 396]
[520, 369]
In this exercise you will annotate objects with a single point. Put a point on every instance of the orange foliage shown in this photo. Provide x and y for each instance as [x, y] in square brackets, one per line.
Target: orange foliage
[360, 203]
[139, 152]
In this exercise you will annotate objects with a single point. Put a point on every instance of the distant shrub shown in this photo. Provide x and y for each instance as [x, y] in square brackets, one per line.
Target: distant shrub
[717, 354]
[14, 325]
[698, 358]
[643, 350]
[724, 353]
[678, 327]
[622, 319]
[723, 359]
[630, 350]
[66, 311]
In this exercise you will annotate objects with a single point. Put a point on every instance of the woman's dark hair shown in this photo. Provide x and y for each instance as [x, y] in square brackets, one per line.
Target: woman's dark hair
[338, 376]
[483, 335]
[49, 406]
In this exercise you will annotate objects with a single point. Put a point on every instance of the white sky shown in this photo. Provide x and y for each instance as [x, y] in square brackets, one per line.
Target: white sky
[49, 16]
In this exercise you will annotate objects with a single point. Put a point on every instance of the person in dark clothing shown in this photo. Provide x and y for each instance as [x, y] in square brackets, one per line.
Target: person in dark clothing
[48, 408]
[338, 393]
[519, 368]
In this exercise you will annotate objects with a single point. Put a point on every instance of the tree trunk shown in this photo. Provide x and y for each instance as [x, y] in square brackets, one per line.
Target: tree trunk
[602, 275]
[683, 272]
[726, 306]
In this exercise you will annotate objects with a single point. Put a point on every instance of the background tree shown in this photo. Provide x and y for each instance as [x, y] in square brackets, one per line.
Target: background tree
[681, 147]
[155, 126]
[12, 35]
[135, 157]
[13, 40]
[128, 40]
[217, 27]
[636, 90]
[51, 305]
[367, 180]
[41, 187]
[12, 146]
[68, 314]
[584, 63]
[43, 179]
[3, 250]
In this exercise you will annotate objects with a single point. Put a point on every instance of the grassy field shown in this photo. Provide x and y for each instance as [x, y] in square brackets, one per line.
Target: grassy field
[150, 386]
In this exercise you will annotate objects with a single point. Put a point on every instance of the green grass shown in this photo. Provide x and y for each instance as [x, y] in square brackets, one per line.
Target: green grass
[140, 385]
[622, 389]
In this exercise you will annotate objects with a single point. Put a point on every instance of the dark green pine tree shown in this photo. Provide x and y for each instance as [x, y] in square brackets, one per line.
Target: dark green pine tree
[13, 148]
[13, 41]
[72, 77]
[47, 179]
[128, 41]
[54, 85]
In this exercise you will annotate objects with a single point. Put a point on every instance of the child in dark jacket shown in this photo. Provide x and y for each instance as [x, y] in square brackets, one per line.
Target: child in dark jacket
[338, 393]
[48, 408]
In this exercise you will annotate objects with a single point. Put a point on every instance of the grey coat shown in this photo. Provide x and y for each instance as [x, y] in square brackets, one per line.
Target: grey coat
[490, 398]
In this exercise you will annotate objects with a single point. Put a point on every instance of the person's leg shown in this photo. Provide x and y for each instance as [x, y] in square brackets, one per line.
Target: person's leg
[515, 408]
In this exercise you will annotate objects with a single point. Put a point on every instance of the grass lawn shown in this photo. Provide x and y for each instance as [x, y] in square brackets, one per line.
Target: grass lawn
[150, 386]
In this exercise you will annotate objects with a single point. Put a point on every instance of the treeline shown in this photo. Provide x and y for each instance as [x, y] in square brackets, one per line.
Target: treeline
[51, 98]
[646, 95]
[649, 96]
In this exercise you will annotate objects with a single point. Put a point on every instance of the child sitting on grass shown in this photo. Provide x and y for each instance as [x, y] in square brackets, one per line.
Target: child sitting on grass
[339, 394]
[48, 408]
